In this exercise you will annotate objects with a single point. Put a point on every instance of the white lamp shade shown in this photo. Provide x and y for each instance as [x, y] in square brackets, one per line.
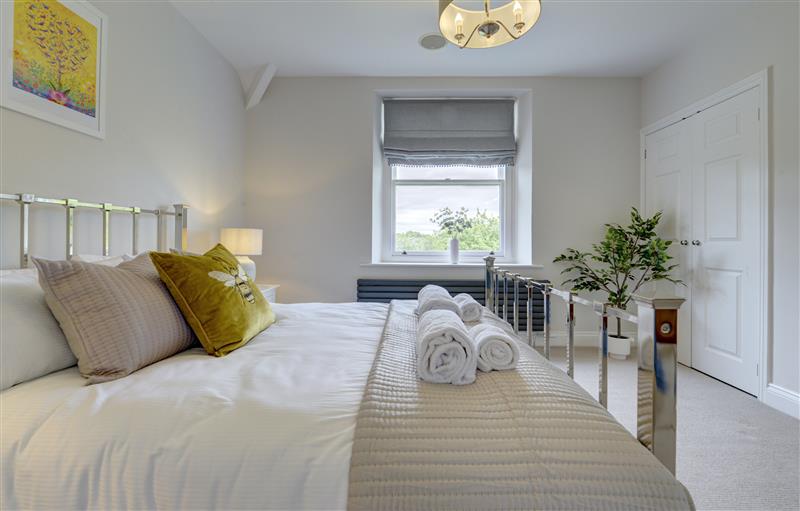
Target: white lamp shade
[243, 242]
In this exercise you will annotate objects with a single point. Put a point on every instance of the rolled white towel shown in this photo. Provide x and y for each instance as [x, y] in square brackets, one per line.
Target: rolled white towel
[432, 297]
[445, 352]
[491, 319]
[469, 308]
[487, 318]
[496, 349]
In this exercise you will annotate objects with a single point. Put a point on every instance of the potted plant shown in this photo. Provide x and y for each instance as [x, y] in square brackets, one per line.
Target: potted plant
[454, 223]
[627, 258]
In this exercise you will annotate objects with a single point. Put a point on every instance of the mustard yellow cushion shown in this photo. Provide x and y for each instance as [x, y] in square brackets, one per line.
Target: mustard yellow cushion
[222, 305]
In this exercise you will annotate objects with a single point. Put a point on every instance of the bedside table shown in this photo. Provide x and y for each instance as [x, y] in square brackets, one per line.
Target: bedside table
[270, 291]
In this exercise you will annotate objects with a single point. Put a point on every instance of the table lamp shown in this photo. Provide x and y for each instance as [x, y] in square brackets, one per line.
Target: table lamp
[243, 243]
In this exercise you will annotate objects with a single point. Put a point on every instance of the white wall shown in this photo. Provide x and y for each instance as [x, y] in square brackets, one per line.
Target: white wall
[309, 171]
[175, 133]
[764, 37]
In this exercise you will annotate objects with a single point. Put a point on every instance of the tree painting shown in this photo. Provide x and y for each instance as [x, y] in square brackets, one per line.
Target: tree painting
[55, 54]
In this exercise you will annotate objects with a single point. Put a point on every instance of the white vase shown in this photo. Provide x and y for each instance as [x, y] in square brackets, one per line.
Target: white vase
[619, 347]
[454, 250]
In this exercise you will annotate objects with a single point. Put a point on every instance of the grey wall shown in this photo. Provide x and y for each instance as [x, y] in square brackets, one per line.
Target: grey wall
[740, 45]
[309, 174]
[175, 133]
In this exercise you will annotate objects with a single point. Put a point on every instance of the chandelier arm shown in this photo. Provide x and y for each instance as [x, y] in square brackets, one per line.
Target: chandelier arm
[470, 36]
[507, 30]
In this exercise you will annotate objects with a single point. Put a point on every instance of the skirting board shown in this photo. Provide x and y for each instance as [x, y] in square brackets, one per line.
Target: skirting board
[586, 339]
[782, 399]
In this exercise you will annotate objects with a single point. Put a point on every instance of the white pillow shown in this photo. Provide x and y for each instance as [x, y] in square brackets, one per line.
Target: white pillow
[104, 260]
[31, 342]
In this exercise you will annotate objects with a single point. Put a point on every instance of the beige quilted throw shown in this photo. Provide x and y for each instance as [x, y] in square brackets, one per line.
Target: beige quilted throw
[528, 438]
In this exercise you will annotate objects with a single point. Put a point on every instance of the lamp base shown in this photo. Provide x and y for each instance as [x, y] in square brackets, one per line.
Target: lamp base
[248, 265]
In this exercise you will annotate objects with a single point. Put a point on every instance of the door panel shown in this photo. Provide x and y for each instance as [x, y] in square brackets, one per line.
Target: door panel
[726, 226]
[723, 205]
[668, 180]
[724, 298]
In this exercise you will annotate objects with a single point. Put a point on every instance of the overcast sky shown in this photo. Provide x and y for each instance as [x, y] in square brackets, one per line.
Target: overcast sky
[416, 205]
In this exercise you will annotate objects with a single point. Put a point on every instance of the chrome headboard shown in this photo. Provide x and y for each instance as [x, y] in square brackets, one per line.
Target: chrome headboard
[25, 200]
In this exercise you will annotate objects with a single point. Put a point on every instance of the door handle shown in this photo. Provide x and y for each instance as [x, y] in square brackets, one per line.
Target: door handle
[696, 243]
[684, 242]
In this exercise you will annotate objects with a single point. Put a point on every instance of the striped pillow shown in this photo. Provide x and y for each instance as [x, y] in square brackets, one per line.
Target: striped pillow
[116, 319]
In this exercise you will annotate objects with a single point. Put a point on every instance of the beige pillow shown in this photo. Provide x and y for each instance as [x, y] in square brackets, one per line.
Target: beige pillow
[116, 319]
[104, 260]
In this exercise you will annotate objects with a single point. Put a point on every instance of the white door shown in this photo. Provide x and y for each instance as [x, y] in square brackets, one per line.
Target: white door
[726, 234]
[668, 181]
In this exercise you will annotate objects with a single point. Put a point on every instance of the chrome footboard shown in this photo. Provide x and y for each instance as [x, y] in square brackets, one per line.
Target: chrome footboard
[657, 328]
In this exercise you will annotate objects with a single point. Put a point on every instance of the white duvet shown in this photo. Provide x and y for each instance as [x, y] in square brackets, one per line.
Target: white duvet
[269, 426]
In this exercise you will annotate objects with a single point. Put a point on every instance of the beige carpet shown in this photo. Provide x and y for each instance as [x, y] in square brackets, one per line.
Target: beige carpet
[733, 451]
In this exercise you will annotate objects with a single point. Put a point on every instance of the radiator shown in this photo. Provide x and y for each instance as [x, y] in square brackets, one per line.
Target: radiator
[386, 290]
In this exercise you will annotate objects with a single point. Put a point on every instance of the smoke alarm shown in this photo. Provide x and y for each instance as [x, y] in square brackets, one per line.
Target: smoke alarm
[432, 41]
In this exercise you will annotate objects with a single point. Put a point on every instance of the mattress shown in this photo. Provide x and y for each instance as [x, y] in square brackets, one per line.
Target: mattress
[268, 426]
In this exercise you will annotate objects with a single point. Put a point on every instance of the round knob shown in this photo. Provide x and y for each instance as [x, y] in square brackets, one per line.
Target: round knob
[696, 243]
[684, 242]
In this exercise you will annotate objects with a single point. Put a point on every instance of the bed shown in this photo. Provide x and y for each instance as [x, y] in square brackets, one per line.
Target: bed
[321, 411]
[271, 426]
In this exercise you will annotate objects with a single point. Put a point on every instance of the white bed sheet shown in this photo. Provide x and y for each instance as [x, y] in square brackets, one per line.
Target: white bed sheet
[269, 426]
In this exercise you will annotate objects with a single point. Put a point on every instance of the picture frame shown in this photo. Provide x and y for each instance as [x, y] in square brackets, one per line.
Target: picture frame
[54, 62]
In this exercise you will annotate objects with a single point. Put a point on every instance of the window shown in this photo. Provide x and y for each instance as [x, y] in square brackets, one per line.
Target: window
[452, 165]
[431, 204]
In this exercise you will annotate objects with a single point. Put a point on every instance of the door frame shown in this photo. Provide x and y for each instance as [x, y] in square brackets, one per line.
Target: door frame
[763, 314]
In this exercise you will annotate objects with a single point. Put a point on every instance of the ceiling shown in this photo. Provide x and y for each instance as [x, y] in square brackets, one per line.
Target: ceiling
[380, 37]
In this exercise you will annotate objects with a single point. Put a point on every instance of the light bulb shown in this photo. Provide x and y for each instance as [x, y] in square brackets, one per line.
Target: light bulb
[518, 23]
[459, 26]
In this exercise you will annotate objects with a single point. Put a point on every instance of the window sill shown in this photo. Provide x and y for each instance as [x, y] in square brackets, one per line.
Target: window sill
[450, 265]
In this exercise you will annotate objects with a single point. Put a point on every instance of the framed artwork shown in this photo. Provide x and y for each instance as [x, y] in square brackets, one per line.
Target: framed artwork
[54, 62]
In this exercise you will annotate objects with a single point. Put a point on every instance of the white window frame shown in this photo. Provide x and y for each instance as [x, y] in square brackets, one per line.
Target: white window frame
[506, 192]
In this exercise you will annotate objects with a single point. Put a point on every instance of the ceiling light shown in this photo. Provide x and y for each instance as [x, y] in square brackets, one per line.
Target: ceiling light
[489, 27]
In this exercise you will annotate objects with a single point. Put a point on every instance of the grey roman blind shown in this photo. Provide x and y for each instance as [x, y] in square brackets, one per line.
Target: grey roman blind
[449, 131]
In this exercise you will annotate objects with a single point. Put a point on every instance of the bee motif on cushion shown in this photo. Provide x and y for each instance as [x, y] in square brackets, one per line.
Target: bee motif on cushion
[237, 278]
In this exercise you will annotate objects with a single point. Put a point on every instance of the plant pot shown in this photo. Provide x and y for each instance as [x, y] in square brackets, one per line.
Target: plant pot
[454, 250]
[619, 347]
